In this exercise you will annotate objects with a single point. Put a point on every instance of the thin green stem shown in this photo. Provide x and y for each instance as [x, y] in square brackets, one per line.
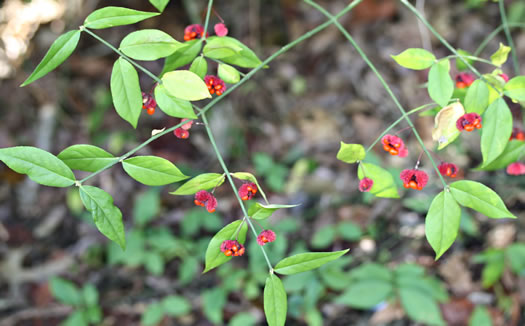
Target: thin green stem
[98, 38]
[493, 34]
[229, 90]
[470, 57]
[230, 180]
[383, 82]
[446, 44]
[505, 24]
[207, 20]
[395, 123]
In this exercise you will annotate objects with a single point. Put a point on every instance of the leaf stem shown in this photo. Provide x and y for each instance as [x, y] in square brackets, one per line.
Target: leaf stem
[383, 82]
[207, 20]
[495, 32]
[505, 24]
[469, 57]
[247, 77]
[230, 180]
[100, 39]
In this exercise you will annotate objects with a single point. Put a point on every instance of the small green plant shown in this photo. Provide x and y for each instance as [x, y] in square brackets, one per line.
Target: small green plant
[172, 306]
[497, 260]
[84, 300]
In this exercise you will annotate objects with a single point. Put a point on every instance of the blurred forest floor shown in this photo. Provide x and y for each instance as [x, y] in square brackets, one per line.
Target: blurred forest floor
[285, 126]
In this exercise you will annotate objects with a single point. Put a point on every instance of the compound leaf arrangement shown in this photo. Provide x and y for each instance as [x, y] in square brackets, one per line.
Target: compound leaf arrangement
[470, 103]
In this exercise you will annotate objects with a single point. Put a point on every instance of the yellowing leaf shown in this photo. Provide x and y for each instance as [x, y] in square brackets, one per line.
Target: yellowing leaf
[445, 130]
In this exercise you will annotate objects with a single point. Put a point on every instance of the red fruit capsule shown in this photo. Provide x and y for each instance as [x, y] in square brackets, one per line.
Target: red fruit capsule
[414, 179]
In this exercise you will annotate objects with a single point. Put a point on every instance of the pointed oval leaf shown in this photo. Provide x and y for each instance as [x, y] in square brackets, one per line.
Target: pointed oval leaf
[40, 166]
[107, 217]
[496, 131]
[230, 50]
[250, 177]
[149, 44]
[275, 301]
[214, 255]
[260, 211]
[203, 181]
[152, 315]
[182, 56]
[480, 317]
[445, 130]
[65, 291]
[152, 170]
[59, 51]
[351, 153]
[515, 88]
[440, 85]
[500, 57]
[185, 85]
[159, 4]
[115, 16]
[199, 66]
[384, 185]
[512, 152]
[414, 58]
[306, 261]
[365, 294]
[442, 222]
[173, 106]
[228, 73]
[420, 306]
[477, 98]
[125, 91]
[86, 157]
[480, 198]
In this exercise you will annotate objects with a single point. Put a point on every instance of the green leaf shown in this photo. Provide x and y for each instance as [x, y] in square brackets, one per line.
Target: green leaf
[351, 153]
[214, 255]
[480, 317]
[230, 50]
[243, 319]
[414, 58]
[173, 106]
[65, 291]
[77, 318]
[154, 263]
[306, 261]
[349, 231]
[159, 4]
[445, 130]
[500, 57]
[185, 85]
[496, 131]
[115, 16]
[59, 51]
[149, 44]
[107, 217]
[153, 314]
[249, 177]
[90, 295]
[365, 294]
[480, 198]
[324, 236]
[442, 222]
[86, 157]
[420, 306]
[40, 166]
[515, 88]
[384, 185]
[146, 206]
[275, 302]
[516, 257]
[203, 181]
[493, 270]
[125, 91]
[182, 56]
[152, 170]
[440, 85]
[228, 74]
[176, 306]
[460, 65]
[260, 211]
[199, 66]
[477, 98]
[372, 271]
[512, 152]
